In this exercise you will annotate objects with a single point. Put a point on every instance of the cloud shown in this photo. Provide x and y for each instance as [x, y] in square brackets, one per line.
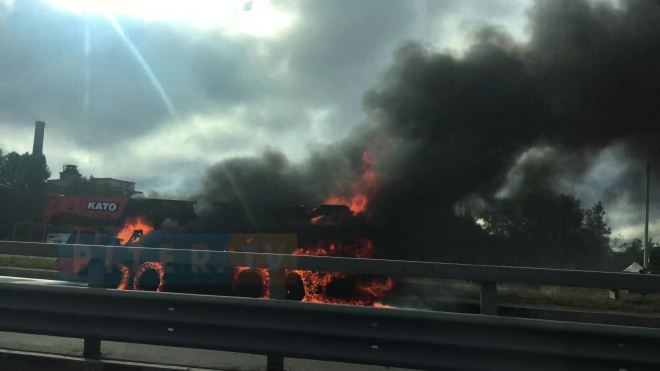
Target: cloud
[7, 4]
[301, 85]
[567, 81]
[43, 73]
[569, 107]
[260, 19]
[612, 175]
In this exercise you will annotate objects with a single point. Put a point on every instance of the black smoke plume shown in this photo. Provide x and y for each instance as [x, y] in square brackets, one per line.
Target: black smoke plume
[444, 128]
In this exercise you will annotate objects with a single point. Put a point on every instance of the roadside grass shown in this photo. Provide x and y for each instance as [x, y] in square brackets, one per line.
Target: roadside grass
[27, 262]
[581, 298]
[542, 296]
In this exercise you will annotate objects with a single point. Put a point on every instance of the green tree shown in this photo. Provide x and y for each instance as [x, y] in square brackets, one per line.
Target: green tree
[547, 230]
[626, 254]
[597, 233]
[635, 246]
[654, 256]
[23, 189]
[594, 222]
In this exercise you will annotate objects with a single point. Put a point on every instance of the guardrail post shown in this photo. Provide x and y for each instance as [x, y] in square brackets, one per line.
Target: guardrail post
[488, 298]
[277, 290]
[275, 363]
[96, 273]
[91, 348]
[277, 285]
[95, 278]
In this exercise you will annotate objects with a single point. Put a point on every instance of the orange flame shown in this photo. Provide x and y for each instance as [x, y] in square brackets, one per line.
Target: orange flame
[125, 275]
[358, 200]
[368, 291]
[132, 224]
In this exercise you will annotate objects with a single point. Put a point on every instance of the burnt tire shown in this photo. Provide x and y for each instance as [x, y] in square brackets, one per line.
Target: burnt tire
[249, 285]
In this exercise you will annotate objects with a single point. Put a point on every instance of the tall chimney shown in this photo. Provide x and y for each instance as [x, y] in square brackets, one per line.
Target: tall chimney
[38, 146]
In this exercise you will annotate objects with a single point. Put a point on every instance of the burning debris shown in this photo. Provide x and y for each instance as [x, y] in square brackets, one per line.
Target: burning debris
[133, 229]
[329, 214]
[131, 225]
[361, 291]
[358, 195]
[323, 287]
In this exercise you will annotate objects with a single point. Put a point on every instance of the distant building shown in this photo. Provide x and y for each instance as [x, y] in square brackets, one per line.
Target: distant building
[70, 174]
[120, 187]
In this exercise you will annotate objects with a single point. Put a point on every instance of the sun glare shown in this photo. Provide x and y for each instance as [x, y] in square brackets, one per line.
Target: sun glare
[256, 17]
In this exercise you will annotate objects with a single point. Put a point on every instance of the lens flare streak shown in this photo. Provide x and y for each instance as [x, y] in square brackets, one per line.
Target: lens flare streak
[143, 63]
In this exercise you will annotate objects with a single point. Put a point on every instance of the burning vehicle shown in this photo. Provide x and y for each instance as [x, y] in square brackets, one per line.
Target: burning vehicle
[335, 228]
[328, 239]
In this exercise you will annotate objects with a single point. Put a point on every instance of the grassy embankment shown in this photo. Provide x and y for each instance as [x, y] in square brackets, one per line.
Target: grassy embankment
[27, 262]
[430, 293]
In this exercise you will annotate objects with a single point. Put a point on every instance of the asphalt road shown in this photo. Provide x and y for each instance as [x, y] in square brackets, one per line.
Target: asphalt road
[193, 358]
[36, 281]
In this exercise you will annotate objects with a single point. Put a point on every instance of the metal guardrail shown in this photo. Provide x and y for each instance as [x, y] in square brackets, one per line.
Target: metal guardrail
[487, 276]
[477, 273]
[495, 347]
[388, 337]
[43, 274]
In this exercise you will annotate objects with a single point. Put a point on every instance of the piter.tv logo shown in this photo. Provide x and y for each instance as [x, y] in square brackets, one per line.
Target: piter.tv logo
[262, 243]
[205, 259]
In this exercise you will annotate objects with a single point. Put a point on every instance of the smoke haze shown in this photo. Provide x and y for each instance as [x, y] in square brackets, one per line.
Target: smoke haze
[573, 107]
